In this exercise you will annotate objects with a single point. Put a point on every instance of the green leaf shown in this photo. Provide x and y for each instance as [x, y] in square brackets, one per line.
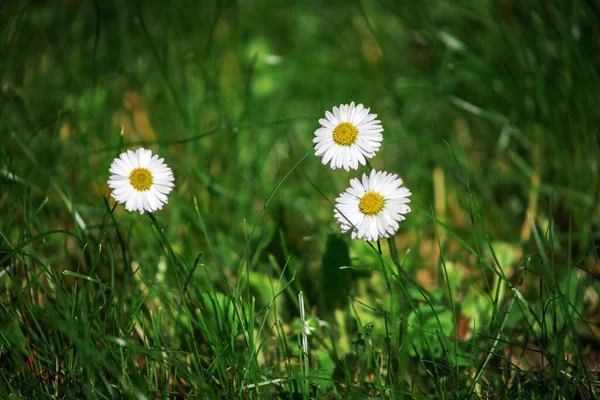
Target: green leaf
[335, 282]
[506, 254]
[456, 273]
[477, 307]
[428, 329]
[13, 337]
[217, 312]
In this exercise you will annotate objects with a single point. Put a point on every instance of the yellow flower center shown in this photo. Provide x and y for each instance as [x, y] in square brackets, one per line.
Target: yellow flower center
[141, 179]
[371, 203]
[345, 134]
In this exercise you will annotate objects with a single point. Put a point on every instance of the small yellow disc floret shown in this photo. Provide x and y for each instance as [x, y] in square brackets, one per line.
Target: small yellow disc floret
[371, 203]
[141, 179]
[345, 134]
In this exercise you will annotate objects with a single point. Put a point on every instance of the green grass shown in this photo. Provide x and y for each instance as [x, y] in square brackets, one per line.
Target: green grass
[490, 288]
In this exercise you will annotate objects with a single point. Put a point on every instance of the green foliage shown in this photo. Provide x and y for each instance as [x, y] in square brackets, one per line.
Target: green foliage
[488, 290]
[335, 281]
[427, 330]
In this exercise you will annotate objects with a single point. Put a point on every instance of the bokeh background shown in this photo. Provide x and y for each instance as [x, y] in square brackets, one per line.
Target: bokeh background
[491, 117]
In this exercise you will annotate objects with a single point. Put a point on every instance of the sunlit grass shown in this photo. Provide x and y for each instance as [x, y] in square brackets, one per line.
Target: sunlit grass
[488, 290]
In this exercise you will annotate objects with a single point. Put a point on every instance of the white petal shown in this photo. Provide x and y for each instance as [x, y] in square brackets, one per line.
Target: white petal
[373, 227]
[147, 201]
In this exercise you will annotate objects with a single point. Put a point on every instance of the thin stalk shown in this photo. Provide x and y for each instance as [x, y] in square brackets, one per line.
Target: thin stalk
[394, 331]
[304, 342]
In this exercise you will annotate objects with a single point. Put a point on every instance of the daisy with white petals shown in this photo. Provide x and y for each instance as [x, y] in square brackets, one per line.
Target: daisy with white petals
[348, 136]
[372, 208]
[140, 180]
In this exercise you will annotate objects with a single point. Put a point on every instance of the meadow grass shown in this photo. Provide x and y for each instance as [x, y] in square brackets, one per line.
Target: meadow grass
[243, 285]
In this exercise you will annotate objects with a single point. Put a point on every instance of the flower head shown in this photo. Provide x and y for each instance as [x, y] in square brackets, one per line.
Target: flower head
[372, 208]
[348, 136]
[140, 180]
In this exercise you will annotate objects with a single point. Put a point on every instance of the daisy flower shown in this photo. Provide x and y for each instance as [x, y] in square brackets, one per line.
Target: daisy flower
[348, 136]
[372, 208]
[140, 180]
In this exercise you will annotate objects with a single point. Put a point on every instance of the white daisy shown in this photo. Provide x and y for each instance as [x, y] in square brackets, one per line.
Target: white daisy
[372, 208]
[348, 136]
[140, 180]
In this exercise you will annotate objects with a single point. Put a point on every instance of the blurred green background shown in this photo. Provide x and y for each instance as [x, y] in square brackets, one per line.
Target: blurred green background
[490, 112]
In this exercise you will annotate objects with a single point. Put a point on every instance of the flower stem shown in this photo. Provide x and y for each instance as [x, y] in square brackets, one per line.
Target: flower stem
[394, 254]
